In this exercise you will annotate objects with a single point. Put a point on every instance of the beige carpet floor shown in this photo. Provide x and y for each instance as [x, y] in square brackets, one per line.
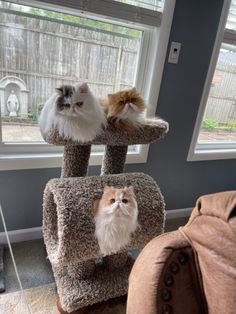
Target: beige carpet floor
[42, 300]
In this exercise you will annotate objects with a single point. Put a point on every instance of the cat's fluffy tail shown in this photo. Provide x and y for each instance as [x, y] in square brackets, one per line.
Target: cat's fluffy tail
[157, 121]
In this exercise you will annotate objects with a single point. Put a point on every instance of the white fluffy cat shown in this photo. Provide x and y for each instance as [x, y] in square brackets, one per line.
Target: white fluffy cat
[116, 218]
[74, 112]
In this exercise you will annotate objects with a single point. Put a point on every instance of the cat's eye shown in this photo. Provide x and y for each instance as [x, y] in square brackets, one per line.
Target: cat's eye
[67, 105]
[125, 201]
[79, 104]
[112, 201]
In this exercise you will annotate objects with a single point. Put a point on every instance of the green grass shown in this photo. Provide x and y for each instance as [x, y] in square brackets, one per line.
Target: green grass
[210, 124]
[213, 125]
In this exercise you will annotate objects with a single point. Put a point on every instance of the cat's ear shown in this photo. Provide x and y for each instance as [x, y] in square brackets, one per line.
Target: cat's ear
[59, 90]
[107, 188]
[130, 190]
[134, 90]
[84, 88]
[110, 96]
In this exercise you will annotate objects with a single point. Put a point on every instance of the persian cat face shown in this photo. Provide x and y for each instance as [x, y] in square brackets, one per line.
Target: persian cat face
[74, 112]
[124, 108]
[73, 101]
[116, 218]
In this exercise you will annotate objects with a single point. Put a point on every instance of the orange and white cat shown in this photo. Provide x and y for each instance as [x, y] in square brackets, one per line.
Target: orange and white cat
[116, 218]
[124, 109]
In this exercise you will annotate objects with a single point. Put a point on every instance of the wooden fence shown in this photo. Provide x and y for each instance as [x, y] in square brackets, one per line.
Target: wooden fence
[221, 104]
[46, 54]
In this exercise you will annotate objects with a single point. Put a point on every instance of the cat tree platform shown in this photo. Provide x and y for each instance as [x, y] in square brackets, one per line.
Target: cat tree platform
[76, 293]
[82, 275]
[147, 133]
[76, 154]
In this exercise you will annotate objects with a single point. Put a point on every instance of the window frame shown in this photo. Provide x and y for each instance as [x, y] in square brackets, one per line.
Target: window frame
[216, 150]
[14, 156]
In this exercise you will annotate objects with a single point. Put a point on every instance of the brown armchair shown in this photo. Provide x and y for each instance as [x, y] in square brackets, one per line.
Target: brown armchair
[191, 270]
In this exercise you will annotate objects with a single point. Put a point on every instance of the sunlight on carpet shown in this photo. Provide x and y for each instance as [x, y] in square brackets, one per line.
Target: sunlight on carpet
[42, 300]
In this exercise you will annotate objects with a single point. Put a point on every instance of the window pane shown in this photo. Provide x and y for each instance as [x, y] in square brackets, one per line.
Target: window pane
[42, 49]
[219, 121]
[231, 20]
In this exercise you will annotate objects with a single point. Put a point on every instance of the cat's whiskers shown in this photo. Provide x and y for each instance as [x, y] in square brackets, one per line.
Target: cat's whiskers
[134, 107]
[126, 212]
[123, 114]
[109, 211]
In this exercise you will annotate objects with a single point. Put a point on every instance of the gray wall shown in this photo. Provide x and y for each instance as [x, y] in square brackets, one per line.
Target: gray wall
[181, 182]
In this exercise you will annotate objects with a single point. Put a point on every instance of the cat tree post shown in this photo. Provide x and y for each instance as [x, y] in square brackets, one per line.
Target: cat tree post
[75, 160]
[114, 159]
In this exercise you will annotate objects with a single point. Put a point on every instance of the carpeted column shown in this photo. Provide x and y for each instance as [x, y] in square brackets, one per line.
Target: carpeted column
[114, 159]
[75, 161]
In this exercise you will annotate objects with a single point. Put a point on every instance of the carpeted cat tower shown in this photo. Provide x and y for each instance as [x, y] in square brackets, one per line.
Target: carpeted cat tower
[82, 276]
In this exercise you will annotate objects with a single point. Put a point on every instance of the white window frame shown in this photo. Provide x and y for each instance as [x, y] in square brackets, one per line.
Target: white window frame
[15, 156]
[216, 150]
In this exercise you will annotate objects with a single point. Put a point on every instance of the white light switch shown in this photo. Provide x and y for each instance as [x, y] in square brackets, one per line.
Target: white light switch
[174, 52]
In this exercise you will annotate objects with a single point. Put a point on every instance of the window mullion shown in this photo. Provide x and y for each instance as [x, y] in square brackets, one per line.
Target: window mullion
[0, 128]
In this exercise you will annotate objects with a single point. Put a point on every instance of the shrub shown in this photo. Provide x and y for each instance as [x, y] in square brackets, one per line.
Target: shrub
[209, 124]
[231, 126]
[33, 114]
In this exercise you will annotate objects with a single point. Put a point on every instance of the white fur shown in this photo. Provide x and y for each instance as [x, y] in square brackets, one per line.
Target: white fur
[79, 124]
[158, 121]
[131, 114]
[113, 231]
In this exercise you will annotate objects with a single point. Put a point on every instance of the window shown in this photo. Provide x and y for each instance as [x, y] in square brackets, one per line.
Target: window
[215, 131]
[49, 43]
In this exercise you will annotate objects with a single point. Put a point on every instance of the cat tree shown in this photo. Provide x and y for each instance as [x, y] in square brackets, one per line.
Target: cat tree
[82, 276]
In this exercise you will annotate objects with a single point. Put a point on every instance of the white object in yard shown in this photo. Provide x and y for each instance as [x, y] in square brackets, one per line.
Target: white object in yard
[13, 104]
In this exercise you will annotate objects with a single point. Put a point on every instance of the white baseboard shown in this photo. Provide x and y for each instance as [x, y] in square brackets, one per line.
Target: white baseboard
[36, 233]
[178, 213]
[21, 235]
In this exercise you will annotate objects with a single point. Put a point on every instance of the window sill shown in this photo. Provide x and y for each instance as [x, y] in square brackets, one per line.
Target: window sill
[54, 160]
[212, 154]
